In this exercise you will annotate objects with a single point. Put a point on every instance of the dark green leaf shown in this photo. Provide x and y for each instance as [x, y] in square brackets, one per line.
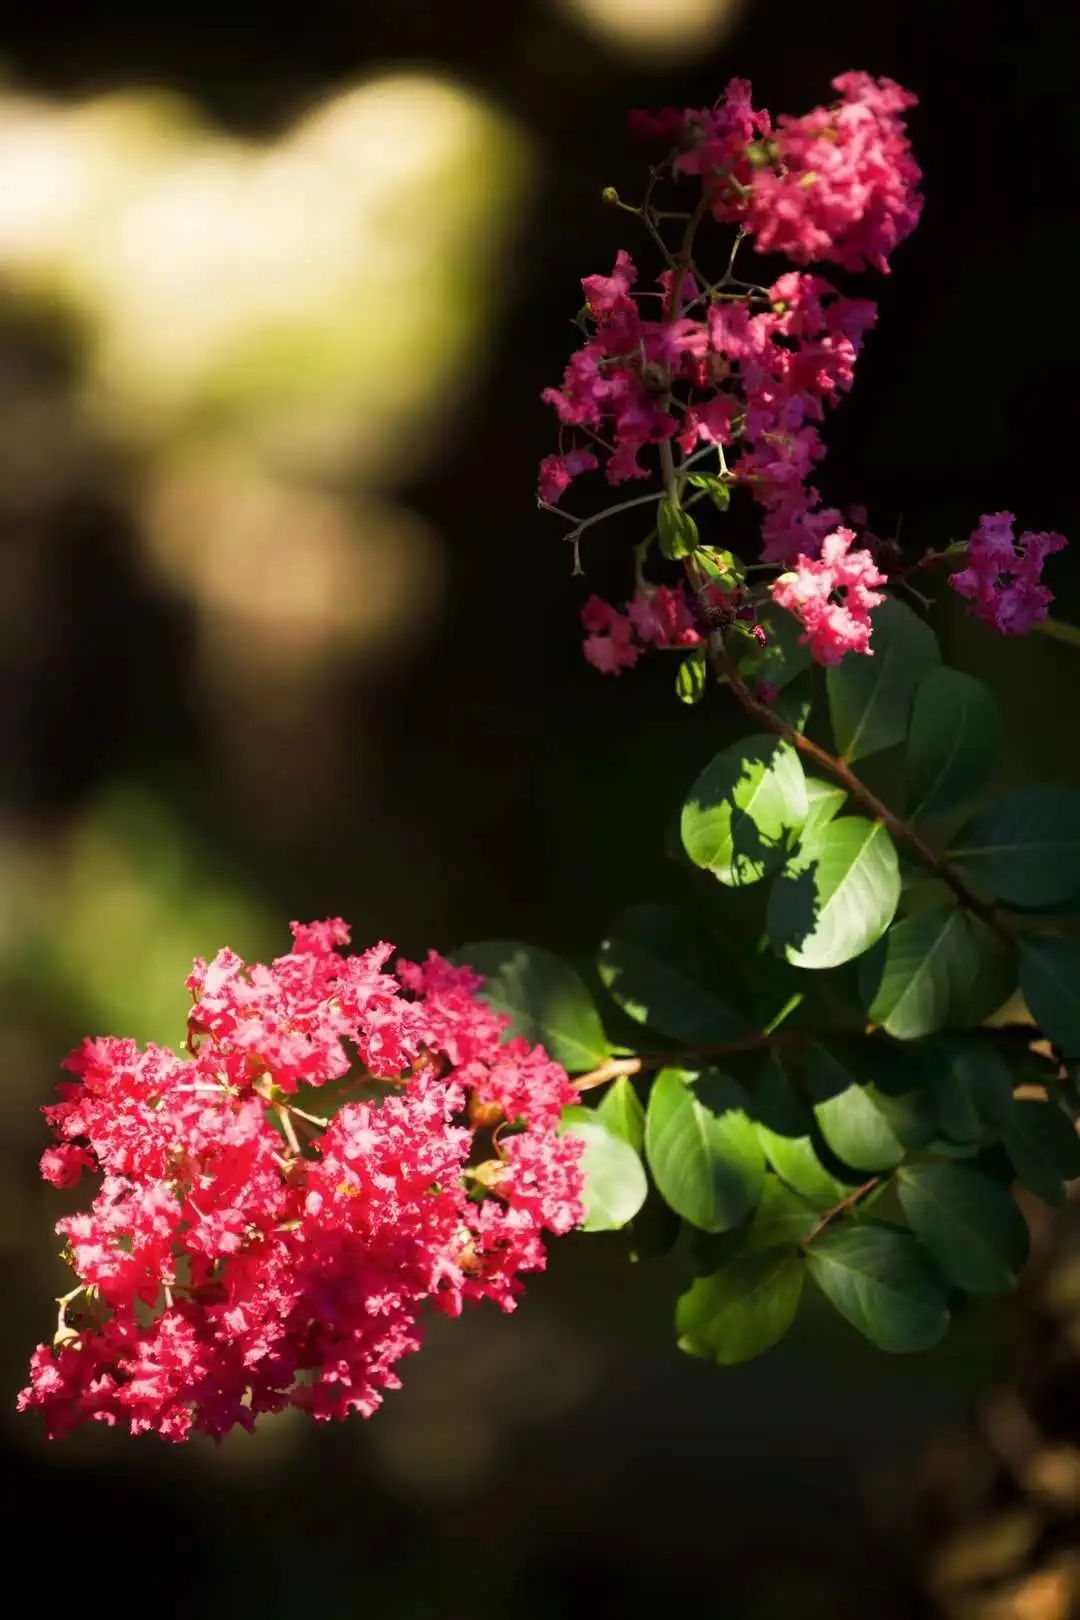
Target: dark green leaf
[870, 698]
[953, 743]
[881, 1281]
[1024, 846]
[702, 1149]
[1044, 1147]
[615, 1183]
[741, 1310]
[1050, 981]
[970, 1225]
[783, 657]
[743, 809]
[934, 969]
[621, 1111]
[659, 966]
[677, 531]
[837, 894]
[690, 676]
[543, 997]
[794, 703]
[969, 1085]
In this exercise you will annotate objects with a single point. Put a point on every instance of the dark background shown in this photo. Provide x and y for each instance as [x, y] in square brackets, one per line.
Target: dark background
[471, 778]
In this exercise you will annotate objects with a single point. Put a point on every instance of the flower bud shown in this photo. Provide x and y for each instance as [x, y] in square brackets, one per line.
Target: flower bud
[483, 1114]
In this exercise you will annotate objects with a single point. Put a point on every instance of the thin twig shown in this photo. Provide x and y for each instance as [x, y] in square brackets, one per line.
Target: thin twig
[612, 1068]
[841, 1208]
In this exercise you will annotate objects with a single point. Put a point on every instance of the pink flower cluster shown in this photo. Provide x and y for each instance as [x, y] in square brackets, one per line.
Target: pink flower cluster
[838, 183]
[241, 1254]
[832, 597]
[752, 374]
[658, 616]
[1002, 577]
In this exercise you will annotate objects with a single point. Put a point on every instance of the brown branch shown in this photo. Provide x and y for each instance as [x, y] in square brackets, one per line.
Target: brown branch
[840, 1208]
[900, 830]
[612, 1068]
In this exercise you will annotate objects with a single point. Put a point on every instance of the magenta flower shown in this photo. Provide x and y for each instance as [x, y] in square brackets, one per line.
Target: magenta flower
[1002, 577]
[225, 1268]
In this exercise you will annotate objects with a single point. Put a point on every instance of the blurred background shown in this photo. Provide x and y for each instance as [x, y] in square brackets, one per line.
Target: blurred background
[282, 634]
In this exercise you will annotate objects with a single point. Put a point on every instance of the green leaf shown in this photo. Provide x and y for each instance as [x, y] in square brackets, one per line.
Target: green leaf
[742, 1309]
[621, 1112]
[953, 742]
[933, 969]
[837, 894]
[870, 698]
[1043, 1145]
[782, 1217]
[702, 1149]
[785, 1131]
[825, 800]
[717, 490]
[690, 677]
[794, 703]
[969, 1085]
[970, 1225]
[661, 969]
[882, 1282]
[856, 1126]
[1050, 981]
[1024, 846]
[743, 808]
[866, 1126]
[677, 531]
[615, 1182]
[543, 998]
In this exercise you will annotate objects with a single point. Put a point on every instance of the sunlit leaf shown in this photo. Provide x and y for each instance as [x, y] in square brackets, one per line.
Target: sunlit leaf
[621, 1111]
[837, 894]
[742, 1309]
[702, 1148]
[615, 1182]
[744, 808]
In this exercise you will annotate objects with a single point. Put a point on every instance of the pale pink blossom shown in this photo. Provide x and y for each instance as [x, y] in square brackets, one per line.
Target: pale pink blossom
[832, 597]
